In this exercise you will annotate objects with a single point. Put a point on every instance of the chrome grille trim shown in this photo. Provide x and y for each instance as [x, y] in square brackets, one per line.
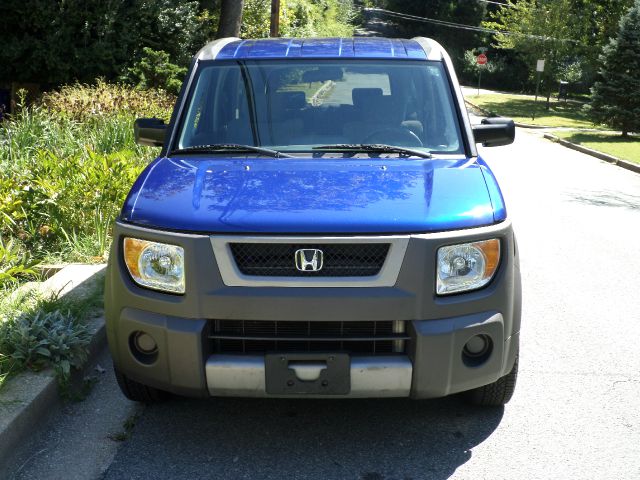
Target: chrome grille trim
[233, 277]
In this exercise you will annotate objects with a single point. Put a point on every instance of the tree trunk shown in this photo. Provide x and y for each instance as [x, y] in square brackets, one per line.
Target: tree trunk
[230, 18]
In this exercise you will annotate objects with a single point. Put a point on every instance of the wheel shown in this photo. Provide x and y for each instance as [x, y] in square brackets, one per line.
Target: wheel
[497, 393]
[394, 136]
[137, 391]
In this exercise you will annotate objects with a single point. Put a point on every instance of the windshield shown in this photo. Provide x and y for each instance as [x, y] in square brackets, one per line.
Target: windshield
[296, 105]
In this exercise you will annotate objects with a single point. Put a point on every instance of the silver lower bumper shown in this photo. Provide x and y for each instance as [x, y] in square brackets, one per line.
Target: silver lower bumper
[244, 376]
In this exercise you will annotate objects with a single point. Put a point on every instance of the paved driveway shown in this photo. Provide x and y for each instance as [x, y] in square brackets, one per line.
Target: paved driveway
[575, 413]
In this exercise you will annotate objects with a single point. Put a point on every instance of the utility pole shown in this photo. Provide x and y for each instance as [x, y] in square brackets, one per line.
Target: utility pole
[275, 19]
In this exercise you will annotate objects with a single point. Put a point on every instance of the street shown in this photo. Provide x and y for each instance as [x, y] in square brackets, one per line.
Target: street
[575, 413]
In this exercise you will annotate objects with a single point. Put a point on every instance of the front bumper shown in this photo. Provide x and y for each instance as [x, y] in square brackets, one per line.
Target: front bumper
[431, 366]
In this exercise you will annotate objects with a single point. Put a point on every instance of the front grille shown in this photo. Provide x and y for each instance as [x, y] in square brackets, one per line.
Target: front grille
[339, 259]
[258, 336]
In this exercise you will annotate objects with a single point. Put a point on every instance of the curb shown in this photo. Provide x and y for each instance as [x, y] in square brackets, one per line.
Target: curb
[594, 153]
[29, 398]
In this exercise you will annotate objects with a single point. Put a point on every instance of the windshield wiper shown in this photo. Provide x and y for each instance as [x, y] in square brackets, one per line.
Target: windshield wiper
[374, 147]
[223, 147]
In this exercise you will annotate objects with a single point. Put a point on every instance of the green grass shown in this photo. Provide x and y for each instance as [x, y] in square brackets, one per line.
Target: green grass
[609, 143]
[522, 107]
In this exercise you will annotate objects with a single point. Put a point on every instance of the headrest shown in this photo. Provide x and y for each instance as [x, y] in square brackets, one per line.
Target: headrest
[290, 100]
[362, 96]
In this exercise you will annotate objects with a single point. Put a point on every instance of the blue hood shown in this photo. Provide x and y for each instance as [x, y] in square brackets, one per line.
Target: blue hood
[328, 195]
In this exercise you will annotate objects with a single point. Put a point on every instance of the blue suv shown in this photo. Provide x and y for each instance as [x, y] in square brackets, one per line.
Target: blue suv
[318, 224]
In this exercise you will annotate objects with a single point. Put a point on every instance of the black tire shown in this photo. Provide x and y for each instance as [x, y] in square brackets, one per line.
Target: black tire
[497, 393]
[139, 392]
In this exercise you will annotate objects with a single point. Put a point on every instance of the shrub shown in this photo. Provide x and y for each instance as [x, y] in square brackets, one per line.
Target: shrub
[15, 263]
[46, 338]
[39, 331]
[155, 70]
[95, 102]
[66, 165]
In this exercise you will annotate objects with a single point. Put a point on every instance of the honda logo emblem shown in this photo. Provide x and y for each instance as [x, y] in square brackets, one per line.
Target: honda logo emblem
[309, 259]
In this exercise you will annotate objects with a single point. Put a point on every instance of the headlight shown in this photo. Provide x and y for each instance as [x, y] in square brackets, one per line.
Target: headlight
[467, 266]
[155, 265]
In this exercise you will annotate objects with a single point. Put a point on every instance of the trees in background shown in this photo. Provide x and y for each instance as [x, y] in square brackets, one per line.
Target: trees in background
[537, 29]
[615, 98]
[146, 42]
[52, 42]
[455, 40]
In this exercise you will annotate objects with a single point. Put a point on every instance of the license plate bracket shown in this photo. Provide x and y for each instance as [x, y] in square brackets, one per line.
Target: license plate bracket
[307, 373]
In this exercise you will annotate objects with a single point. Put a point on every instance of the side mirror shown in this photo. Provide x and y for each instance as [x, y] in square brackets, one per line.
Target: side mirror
[495, 132]
[149, 131]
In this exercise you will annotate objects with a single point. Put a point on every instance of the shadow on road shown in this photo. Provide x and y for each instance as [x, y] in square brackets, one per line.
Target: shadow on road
[251, 438]
[606, 198]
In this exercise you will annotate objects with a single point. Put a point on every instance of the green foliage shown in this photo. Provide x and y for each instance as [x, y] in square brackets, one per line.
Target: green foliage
[91, 103]
[469, 12]
[539, 31]
[155, 70]
[39, 331]
[616, 96]
[15, 263]
[87, 39]
[299, 18]
[66, 166]
[55, 338]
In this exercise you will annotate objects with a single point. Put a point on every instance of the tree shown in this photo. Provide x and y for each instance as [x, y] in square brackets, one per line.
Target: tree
[230, 18]
[538, 29]
[52, 42]
[455, 39]
[615, 97]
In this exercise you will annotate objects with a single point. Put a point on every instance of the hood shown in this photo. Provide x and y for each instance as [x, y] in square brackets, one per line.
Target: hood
[300, 196]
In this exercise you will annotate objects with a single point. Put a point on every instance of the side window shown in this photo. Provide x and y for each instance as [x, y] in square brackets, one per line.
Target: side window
[194, 117]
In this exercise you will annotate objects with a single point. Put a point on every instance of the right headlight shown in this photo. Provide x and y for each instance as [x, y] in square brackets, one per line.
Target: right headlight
[155, 265]
[467, 266]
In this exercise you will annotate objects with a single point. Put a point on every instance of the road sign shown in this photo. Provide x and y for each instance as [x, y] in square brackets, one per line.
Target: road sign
[540, 66]
[482, 59]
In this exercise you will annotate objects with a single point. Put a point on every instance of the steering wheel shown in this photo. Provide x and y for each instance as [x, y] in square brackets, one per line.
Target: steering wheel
[394, 136]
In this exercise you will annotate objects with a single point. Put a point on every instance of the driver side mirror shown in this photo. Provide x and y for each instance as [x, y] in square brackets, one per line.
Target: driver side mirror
[495, 132]
[149, 131]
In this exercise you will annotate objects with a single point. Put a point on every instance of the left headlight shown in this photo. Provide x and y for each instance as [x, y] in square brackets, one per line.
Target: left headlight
[155, 265]
[467, 266]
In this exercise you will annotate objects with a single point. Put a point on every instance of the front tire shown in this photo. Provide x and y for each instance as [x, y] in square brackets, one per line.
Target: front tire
[138, 392]
[495, 394]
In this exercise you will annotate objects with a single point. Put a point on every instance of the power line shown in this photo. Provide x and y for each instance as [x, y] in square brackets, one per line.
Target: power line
[461, 26]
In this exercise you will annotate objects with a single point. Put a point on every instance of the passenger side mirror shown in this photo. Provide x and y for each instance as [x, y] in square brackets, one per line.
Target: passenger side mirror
[149, 131]
[495, 132]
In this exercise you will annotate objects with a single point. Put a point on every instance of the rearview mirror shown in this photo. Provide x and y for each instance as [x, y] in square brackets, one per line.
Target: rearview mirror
[149, 131]
[495, 132]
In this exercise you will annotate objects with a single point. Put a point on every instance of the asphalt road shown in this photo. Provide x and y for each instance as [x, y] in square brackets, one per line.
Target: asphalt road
[575, 414]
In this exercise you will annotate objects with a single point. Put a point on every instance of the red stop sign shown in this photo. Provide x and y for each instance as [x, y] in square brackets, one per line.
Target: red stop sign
[482, 59]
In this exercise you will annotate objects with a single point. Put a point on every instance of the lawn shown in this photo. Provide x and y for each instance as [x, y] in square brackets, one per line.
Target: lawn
[610, 143]
[522, 107]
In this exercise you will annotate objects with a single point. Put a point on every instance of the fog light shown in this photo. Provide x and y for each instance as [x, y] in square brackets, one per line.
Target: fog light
[145, 343]
[476, 346]
[477, 350]
[143, 347]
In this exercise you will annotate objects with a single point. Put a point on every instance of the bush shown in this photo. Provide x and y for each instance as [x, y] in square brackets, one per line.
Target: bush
[155, 70]
[44, 331]
[66, 166]
[94, 102]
